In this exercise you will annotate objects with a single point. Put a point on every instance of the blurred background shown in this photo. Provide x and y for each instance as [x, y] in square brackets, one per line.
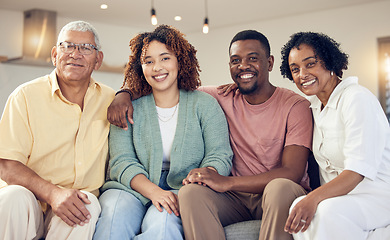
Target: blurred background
[29, 30]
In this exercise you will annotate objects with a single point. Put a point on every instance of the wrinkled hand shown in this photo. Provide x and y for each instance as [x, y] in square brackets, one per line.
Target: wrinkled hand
[167, 200]
[120, 108]
[301, 216]
[68, 204]
[208, 177]
[227, 88]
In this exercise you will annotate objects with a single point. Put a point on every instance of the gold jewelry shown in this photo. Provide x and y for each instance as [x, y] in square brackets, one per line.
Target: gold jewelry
[167, 118]
[198, 174]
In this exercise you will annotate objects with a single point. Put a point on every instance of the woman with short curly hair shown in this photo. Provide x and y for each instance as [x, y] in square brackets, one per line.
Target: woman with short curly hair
[176, 129]
[351, 143]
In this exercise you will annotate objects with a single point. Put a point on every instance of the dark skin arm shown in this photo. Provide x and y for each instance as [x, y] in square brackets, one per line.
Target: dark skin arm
[68, 204]
[121, 107]
[294, 161]
[307, 207]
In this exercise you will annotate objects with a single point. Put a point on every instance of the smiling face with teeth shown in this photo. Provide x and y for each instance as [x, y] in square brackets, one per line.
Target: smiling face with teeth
[310, 74]
[74, 68]
[160, 68]
[249, 69]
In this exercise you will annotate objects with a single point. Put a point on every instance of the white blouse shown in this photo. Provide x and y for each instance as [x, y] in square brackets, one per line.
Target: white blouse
[352, 133]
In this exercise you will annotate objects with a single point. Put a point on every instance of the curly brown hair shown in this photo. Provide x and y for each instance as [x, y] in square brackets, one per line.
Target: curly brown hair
[188, 72]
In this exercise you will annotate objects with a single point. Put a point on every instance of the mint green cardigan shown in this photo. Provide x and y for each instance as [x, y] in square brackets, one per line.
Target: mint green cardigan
[201, 140]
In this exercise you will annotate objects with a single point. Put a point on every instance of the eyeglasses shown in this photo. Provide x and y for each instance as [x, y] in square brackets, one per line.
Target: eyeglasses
[84, 48]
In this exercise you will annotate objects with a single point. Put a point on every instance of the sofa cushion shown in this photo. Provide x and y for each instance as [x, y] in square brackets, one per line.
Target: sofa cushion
[247, 230]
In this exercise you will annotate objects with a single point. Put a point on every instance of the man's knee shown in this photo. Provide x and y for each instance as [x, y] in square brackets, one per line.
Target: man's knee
[16, 197]
[192, 195]
[282, 189]
[189, 192]
[94, 207]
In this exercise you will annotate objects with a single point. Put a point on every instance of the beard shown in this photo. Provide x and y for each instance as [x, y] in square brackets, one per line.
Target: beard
[247, 90]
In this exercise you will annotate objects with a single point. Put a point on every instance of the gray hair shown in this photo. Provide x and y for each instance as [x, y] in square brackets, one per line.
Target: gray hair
[80, 26]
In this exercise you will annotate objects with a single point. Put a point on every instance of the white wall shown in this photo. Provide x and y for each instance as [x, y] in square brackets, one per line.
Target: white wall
[356, 28]
[114, 41]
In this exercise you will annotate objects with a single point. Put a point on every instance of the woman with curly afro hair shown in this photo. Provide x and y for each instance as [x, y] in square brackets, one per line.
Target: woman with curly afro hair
[351, 143]
[176, 129]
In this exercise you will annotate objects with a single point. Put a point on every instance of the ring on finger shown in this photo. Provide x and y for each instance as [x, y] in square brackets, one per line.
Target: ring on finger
[198, 174]
[303, 221]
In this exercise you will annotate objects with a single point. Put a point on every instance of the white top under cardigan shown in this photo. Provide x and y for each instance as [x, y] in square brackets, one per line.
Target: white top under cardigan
[352, 133]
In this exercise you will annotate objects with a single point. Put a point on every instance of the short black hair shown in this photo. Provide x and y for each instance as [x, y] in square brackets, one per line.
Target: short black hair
[252, 35]
[325, 49]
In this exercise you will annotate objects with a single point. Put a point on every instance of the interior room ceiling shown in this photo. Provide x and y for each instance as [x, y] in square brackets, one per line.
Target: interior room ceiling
[136, 13]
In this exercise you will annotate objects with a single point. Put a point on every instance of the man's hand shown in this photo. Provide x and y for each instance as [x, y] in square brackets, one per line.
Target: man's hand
[68, 204]
[227, 88]
[120, 108]
[208, 177]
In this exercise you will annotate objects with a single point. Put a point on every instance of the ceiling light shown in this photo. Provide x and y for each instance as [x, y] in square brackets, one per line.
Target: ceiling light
[206, 26]
[103, 6]
[206, 19]
[153, 18]
[178, 18]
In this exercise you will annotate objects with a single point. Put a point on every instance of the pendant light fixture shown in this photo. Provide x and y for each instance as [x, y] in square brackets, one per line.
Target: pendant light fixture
[206, 19]
[153, 18]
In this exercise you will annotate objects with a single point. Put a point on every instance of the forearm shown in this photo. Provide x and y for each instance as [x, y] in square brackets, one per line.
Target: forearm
[341, 185]
[16, 173]
[143, 185]
[257, 183]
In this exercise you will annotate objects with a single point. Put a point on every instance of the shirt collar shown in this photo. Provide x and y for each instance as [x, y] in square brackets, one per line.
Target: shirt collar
[55, 87]
[335, 95]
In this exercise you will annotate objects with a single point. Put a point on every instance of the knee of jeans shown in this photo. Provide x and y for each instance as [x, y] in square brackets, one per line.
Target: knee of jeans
[15, 196]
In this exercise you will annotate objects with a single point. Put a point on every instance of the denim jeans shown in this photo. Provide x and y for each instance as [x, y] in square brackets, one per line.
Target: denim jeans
[123, 216]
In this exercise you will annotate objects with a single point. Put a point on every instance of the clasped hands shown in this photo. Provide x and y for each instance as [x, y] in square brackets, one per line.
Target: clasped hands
[207, 176]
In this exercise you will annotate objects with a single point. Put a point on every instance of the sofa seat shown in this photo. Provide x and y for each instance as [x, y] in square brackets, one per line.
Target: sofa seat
[247, 230]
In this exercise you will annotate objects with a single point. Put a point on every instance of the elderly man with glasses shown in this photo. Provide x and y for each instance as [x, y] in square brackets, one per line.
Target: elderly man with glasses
[53, 145]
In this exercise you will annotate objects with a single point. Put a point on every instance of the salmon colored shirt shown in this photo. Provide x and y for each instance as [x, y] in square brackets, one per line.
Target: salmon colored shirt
[259, 133]
[54, 137]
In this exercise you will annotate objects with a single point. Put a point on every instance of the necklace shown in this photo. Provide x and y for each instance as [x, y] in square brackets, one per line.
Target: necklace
[167, 118]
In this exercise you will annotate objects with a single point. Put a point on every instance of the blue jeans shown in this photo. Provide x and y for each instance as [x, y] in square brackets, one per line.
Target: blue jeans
[123, 216]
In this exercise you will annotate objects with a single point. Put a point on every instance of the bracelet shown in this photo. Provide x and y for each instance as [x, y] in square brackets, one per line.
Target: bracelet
[125, 90]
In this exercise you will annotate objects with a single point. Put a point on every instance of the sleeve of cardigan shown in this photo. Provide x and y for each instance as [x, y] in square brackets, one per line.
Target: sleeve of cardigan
[218, 153]
[124, 164]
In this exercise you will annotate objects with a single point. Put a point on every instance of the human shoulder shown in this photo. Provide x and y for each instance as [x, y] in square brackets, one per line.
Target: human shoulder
[35, 86]
[289, 94]
[290, 98]
[354, 93]
[106, 89]
[202, 98]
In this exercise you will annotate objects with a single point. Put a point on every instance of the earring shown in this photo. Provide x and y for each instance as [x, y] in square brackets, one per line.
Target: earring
[331, 73]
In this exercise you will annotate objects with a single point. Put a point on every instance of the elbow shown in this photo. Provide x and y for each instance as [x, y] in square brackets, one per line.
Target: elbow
[6, 167]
